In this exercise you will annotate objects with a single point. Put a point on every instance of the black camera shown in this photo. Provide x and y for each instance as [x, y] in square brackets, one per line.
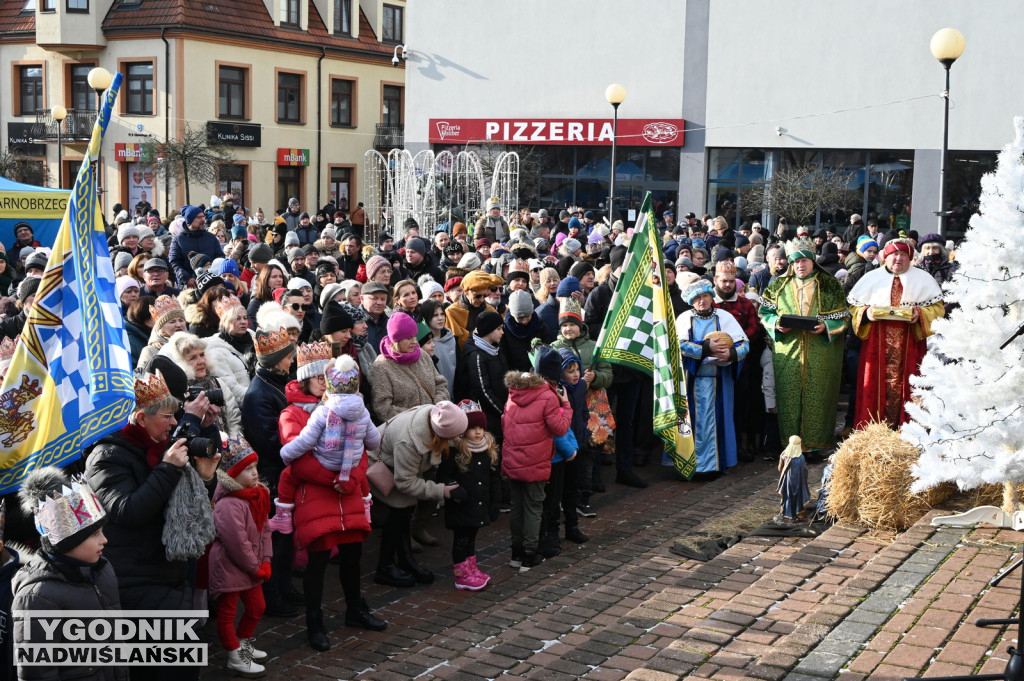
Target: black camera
[215, 395]
[198, 447]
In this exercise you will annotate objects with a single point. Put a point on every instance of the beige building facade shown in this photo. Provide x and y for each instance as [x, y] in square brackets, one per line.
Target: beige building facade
[297, 90]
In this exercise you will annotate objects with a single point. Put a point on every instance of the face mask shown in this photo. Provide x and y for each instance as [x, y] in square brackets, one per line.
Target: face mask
[933, 259]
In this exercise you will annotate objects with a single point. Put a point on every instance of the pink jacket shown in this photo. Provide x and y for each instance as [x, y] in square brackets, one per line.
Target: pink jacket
[239, 547]
[533, 417]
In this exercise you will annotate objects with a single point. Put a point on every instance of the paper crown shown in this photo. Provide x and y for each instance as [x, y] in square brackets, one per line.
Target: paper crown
[68, 511]
[475, 416]
[237, 455]
[801, 247]
[312, 359]
[7, 347]
[342, 376]
[223, 305]
[267, 343]
[469, 405]
[165, 306]
[150, 389]
[569, 310]
[698, 287]
[725, 267]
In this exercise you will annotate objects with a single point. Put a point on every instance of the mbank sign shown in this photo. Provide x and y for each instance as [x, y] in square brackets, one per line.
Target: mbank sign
[292, 157]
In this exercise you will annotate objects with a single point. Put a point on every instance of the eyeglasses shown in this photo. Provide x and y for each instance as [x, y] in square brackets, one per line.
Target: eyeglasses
[299, 306]
[478, 296]
[495, 289]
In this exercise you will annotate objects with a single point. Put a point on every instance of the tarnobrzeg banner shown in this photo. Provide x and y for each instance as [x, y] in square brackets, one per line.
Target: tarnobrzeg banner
[639, 332]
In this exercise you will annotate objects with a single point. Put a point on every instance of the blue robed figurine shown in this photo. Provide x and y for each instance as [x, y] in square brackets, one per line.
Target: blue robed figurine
[793, 482]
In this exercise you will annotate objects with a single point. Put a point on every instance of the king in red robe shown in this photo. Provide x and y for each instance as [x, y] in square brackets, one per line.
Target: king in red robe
[893, 308]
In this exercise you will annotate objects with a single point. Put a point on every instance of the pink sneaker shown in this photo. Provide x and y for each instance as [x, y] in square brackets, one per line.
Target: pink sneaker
[282, 520]
[473, 566]
[466, 579]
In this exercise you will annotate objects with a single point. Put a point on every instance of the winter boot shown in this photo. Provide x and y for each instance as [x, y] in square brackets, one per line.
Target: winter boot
[359, 615]
[550, 545]
[282, 520]
[574, 535]
[316, 632]
[420, 518]
[531, 559]
[466, 579]
[242, 664]
[407, 562]
[254, 653]
[471, 561]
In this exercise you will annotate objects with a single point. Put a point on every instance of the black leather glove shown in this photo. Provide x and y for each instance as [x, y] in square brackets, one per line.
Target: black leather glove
[459, 494]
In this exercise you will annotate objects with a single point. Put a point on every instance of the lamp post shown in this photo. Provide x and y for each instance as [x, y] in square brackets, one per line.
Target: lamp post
[615, 94]
[99, 79]
[59, 113]
[947, 45]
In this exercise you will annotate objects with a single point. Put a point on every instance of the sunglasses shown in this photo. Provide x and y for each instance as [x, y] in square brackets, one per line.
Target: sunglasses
[299, 306]
[495, 289]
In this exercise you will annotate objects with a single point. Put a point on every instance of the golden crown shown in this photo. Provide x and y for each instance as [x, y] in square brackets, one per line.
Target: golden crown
[274, 341]
[725, 267]
[314, 352]
[150, 389]
[223, 305]
[570, 307]
[71, 510]
[164, 305]
[801, 245]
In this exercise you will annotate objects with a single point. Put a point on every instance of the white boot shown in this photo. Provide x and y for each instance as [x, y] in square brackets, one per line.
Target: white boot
[253, 652]
[240, 663]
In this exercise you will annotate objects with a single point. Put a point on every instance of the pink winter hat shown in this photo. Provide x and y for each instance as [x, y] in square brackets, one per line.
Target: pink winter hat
[401, 326]
[447, 420]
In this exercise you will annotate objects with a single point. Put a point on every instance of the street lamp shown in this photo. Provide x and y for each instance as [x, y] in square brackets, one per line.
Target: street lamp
[615, 94]
[99, 79]
[947, 45]
[59, 113]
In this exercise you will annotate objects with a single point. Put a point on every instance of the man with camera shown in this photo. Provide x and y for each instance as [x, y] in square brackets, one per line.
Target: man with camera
[139, 473]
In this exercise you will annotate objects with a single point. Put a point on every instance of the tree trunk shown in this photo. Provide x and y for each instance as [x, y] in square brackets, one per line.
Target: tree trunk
[184, 171]
[1011, 502]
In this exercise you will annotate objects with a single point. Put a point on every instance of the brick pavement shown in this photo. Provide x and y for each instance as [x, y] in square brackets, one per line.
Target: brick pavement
[621, 606]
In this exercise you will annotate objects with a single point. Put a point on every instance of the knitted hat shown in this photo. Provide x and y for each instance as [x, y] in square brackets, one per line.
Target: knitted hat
[326, 267]
[188, 214]
[488, 321]
[342, 376]
[206, 280]
[261, 253]
[617, 256]
[295, 252]
[429, 288]
[123, 284]
[374, 264]
[37, 260]
[568, 357]
[298, 283]
[595, 238]
[335, 318]
[864, 242]
[239, 231]
[447, 420]
[199, 260]
[164, 309]
[480, 281]
[401, 326]
[418, 245]
[928, 239]
[471, 261]
[458, 228]
[580, 269]
[741, 241]
[695, 289]
[723, 253]
[574, 223]
[291, 239]
[567, 287]
[272, 347]
[569, 311]
[423, 333]
[520, 304]
[121, 261]
[547, 363]
[228, 266]
[66, 510]
[236, 456]
[516, 274]
[328, 233]
[329, 292]
[475, 416]
[126, 230]
[481, 243]
[454, 250]
[312, 359]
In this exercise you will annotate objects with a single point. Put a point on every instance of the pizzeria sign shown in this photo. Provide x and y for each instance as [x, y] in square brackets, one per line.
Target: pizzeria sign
[637, 132]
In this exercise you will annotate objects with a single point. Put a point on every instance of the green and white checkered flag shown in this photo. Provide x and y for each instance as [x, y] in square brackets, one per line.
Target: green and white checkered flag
[639, 332]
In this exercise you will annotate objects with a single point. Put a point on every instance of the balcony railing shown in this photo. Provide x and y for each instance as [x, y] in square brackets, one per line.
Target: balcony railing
[77, 127]
[389, 137]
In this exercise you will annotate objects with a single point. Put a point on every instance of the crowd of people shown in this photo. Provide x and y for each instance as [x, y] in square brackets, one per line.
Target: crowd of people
[290, 377]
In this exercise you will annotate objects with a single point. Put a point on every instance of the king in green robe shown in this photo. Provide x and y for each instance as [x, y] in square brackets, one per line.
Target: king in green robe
[808, 364]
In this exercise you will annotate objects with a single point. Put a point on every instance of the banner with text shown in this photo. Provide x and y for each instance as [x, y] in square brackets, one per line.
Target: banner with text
[634, 132]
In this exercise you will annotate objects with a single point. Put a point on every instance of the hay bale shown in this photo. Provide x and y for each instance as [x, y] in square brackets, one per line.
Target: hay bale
[871, 481]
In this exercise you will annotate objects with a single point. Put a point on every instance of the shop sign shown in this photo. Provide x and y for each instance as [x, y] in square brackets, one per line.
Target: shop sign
[633, 132]
[128, 152]
[292, 157]
[234, 134]
[19, 135]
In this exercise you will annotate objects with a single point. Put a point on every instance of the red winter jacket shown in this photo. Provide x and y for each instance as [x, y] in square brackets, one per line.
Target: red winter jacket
[294, 417]
[533, 417]
[239, 548]
[320, 510]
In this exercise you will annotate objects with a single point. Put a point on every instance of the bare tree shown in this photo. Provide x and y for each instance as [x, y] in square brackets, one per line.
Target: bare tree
[16, 167]
[797, 193]
[529, 169]
[193, 158]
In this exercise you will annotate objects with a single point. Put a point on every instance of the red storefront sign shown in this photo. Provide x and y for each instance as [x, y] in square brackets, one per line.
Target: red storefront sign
[634, 132]
[126, 152]
[292, 157]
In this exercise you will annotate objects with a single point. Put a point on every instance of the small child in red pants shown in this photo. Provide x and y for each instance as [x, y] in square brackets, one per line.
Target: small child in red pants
[240, 556]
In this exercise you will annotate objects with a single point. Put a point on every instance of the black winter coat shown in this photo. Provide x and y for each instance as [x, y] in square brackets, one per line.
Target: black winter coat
[135, 497]
[11, 561]
[515, 344]
[263, 403]
[596, 306]
[485, 382]
[11, 327]
[481, 481]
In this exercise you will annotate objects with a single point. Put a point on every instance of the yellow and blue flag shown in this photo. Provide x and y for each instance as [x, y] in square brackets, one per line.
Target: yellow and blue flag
[70, 380]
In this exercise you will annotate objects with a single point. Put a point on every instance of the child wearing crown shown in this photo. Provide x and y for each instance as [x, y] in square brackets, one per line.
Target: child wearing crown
[69, 572]
[472, 465]
[329, 490]
[241, 553]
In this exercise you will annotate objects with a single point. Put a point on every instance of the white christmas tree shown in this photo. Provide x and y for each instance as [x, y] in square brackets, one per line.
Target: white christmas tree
[968, 414]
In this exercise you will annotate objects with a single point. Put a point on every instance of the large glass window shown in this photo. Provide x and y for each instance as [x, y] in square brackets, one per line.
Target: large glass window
[964, 170]
[231, 102]
[140, 88]
[890, 187]
[341, 101]
[343, 16]
[289, 98]
[393, 24]
[391, 107]
[341, 187]
[81, 94]
[289, 180]
[78, 5]
[31, 89]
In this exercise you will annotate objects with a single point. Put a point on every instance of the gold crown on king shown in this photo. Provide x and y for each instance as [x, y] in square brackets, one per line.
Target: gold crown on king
[314, 352]
[269, 343]
[74, 509]
[226, 303]
[163, 305]
[800, 244]
[150, 389]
